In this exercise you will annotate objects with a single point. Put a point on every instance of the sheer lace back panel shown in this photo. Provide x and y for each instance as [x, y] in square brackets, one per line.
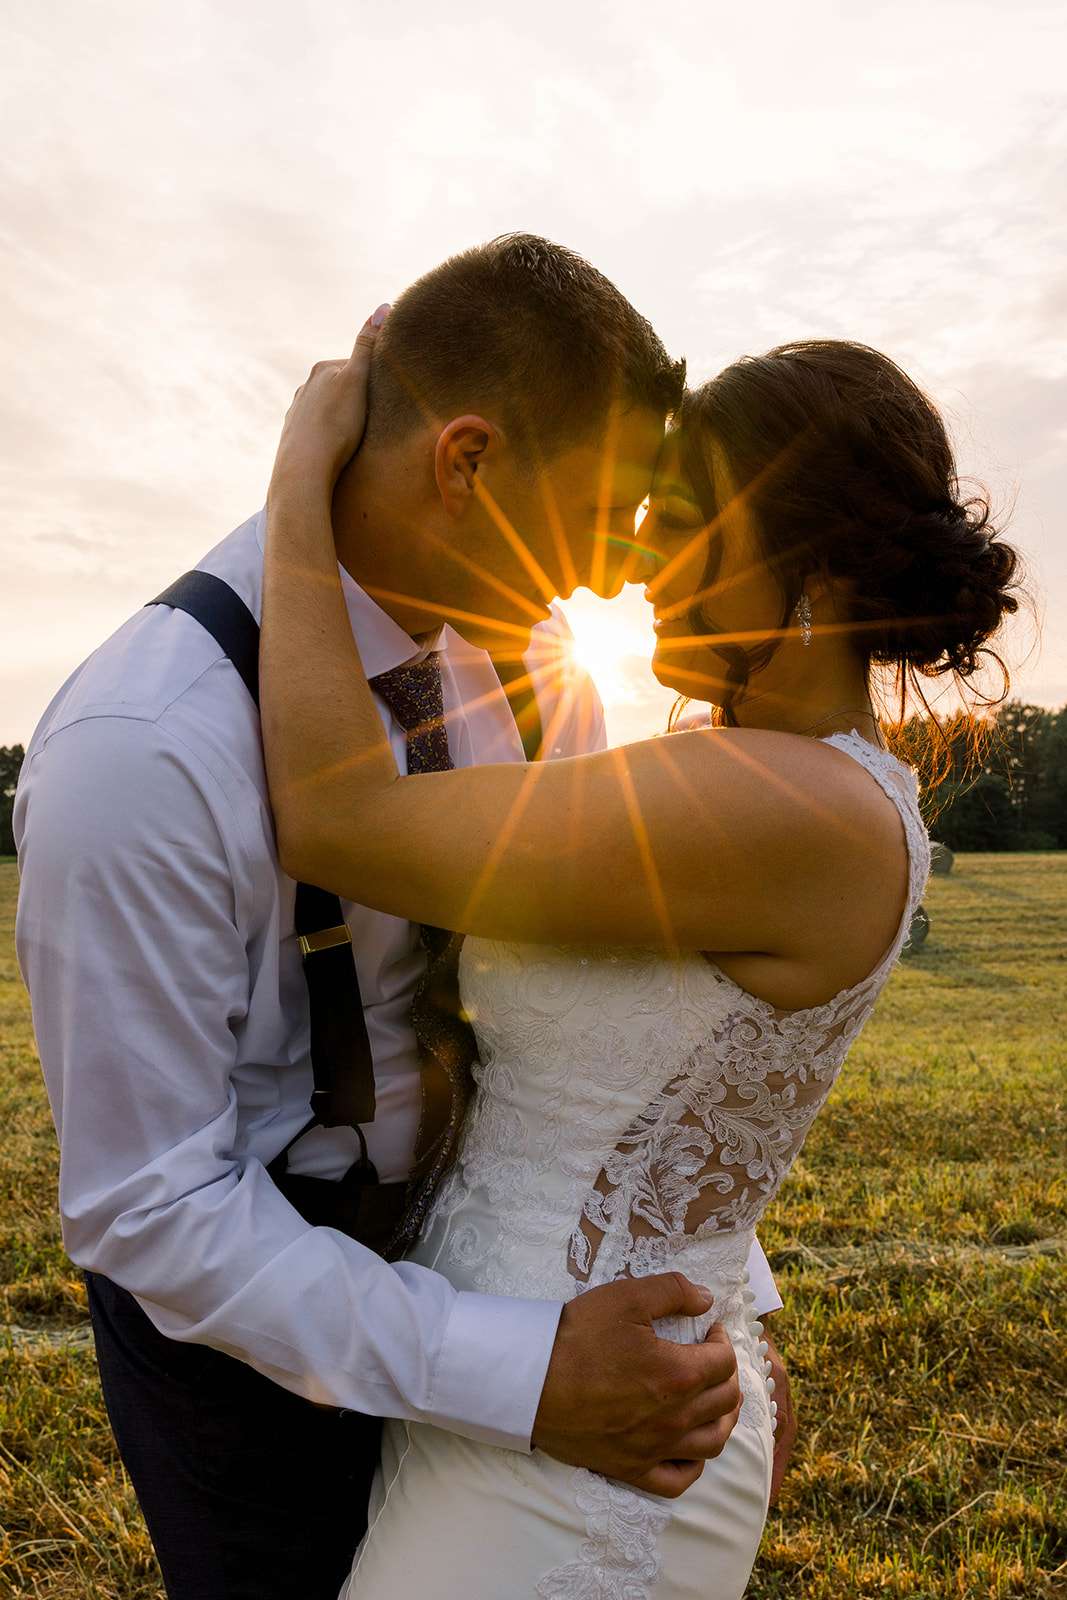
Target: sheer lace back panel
[707, 1154]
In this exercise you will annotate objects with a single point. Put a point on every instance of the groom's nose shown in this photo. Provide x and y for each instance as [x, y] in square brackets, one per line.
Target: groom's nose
[624, 560]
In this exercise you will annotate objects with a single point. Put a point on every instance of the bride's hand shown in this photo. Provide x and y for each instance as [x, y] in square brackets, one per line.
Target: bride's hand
[325, 423]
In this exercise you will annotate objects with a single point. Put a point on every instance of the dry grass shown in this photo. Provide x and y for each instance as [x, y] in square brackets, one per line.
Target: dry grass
[920, 1249]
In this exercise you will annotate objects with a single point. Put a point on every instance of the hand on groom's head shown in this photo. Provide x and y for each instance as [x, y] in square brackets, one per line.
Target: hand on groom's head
[328, 415]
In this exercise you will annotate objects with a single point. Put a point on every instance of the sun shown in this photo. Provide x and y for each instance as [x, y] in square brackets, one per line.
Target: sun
[613, 641]
[598, 645]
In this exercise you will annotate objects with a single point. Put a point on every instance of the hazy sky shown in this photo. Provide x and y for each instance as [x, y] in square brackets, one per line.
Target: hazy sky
[199, 200]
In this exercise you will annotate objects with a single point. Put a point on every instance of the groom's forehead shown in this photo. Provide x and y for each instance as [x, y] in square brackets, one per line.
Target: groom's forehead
[618, 461]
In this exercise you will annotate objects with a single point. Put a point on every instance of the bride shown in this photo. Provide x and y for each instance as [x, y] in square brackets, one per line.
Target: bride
[671, 946]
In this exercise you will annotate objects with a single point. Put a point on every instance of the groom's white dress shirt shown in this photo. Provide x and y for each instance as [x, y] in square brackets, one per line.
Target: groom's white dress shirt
[155, 933]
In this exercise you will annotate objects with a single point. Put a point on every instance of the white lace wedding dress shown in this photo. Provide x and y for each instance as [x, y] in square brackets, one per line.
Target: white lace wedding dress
[635, 1113]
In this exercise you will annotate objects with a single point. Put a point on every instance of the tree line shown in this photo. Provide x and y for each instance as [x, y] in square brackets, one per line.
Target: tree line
[11, 758]
[1007, 790]
[1013, 797]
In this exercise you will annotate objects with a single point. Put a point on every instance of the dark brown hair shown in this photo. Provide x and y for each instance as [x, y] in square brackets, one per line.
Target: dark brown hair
[848, 471]
[525, 332]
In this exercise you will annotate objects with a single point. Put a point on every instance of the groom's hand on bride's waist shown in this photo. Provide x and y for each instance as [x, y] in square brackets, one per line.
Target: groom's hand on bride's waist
[623, 1402]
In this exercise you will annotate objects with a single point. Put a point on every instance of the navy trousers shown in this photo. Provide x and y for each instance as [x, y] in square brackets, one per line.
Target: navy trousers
[249, 1492]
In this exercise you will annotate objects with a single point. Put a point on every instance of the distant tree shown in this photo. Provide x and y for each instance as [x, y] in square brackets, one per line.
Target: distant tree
[977, 815]
[1046, 809]
[11, 759]
[1013, 797]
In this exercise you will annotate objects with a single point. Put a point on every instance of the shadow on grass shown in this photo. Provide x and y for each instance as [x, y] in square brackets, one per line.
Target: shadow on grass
[943, 964]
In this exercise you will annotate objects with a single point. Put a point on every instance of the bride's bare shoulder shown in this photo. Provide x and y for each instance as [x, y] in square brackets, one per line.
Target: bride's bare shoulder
[797, 793]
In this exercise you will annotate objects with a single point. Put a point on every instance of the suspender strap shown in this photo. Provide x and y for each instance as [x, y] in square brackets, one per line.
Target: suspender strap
[340, 1049]
[221, 611]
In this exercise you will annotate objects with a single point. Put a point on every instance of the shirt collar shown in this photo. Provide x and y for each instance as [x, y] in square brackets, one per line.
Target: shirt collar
[383, 644]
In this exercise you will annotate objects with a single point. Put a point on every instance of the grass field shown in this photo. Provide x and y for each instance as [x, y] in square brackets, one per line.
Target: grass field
[921, 1248]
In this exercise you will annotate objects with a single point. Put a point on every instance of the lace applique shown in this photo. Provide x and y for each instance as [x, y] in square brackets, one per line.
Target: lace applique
[709, 1151]
[618, 1559]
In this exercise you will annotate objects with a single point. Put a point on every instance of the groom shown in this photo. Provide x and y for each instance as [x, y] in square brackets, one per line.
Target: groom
[246, 1351]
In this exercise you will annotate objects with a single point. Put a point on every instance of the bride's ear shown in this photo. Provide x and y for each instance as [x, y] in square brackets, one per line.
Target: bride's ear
[462, 447]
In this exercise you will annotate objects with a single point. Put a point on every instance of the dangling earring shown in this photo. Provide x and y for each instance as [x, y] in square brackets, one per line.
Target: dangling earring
[803, 616]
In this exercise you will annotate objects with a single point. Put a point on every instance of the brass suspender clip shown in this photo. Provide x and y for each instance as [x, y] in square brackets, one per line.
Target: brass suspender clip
[324, 939]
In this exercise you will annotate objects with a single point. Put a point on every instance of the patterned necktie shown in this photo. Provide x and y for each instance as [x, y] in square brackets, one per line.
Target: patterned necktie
[414, 696]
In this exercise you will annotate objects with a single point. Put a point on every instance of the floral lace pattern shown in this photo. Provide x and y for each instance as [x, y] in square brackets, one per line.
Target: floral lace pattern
[618, 1559]
[711, 1148]
[636, 1113]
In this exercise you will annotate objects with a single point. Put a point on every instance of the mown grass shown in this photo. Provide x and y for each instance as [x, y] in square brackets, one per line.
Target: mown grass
[919, 1246]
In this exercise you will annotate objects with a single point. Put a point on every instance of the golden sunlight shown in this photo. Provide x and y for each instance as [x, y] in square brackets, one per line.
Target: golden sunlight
[613, 641]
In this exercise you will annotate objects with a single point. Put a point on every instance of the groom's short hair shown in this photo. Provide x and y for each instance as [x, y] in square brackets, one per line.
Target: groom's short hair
[524, 332]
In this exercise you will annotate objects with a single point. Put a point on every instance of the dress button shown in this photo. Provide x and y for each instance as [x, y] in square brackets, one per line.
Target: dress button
[770, 1385]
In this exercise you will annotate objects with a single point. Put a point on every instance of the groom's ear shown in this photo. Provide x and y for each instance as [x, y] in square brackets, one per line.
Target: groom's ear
[462, 448]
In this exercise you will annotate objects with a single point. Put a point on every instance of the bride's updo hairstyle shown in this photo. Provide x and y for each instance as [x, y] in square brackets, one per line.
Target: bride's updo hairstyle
[847, 469]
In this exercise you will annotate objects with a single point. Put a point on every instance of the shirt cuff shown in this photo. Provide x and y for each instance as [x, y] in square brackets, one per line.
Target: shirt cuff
[761, 1282]
[492, 1366]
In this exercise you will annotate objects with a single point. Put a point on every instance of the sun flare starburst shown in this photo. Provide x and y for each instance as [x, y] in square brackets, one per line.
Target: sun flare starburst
[610, 642]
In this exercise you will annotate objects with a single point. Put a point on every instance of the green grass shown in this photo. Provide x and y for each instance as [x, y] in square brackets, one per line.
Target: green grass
[920, 1248]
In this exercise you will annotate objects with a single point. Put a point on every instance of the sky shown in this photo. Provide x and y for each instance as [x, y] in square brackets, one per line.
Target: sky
[199, 201]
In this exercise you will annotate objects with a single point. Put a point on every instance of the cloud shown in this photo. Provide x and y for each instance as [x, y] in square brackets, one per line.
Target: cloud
[197, 202]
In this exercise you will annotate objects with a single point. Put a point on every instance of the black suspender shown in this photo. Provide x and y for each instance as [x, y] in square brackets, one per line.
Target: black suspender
[221, 611]
[340, 1049]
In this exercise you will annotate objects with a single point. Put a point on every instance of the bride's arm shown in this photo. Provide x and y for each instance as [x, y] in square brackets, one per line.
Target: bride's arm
[624, 847]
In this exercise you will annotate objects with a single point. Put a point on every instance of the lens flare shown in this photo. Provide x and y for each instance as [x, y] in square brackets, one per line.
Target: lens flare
[611, 645]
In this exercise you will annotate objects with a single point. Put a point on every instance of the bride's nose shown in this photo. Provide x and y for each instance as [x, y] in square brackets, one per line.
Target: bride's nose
[646, 564]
